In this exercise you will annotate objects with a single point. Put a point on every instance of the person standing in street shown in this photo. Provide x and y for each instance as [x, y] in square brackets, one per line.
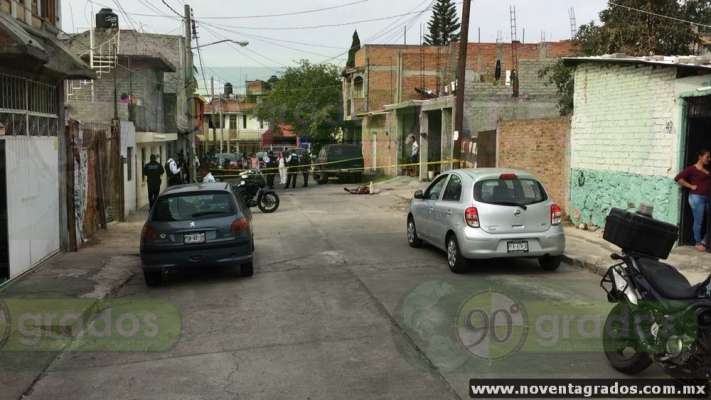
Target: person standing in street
[282, 168]
[292, 162]
[174, 173]
[153, 172]
[697, 180]
[306, 168]
[270, 165]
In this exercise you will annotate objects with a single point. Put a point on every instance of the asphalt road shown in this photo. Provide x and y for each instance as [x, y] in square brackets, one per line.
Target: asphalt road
[341, 308]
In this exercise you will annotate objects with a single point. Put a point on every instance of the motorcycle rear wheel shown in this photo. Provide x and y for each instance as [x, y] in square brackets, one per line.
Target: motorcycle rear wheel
[621, 343]
[269, 203]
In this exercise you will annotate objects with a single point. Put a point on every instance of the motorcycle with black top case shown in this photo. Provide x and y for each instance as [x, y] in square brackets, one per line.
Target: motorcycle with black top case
[658, 317]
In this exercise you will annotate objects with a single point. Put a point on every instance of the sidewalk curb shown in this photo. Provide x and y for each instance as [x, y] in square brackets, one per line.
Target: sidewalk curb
[586, 265]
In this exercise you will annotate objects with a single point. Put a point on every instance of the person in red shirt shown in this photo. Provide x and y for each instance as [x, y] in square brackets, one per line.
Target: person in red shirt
[697, 179]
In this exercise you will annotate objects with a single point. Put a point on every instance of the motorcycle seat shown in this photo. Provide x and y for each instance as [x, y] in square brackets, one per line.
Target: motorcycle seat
[667, 280]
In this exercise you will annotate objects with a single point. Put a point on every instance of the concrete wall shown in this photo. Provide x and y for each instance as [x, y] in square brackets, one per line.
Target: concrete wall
[624, 148]
[380, 144]
[538, 146]
[128, 152]
[486, 103]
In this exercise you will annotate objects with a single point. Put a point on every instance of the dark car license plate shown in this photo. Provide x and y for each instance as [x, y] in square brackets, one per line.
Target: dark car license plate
[194, 238]
[520, 246]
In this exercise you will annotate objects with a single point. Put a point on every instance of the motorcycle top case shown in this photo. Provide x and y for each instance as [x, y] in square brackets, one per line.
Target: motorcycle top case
[637, 233]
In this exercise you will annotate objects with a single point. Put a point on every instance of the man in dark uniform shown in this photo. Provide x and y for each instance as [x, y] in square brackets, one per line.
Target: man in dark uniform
[292, 162]
[153, 172]
[271, 165]
[306, 168]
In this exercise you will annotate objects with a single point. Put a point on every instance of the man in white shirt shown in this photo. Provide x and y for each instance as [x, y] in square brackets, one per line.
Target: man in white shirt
[173, 170]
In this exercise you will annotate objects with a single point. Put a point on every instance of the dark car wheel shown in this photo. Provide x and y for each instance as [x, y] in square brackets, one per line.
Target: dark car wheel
[153, 278]
[412, 239]
[457, 263]
[246, 269]
[549, 263]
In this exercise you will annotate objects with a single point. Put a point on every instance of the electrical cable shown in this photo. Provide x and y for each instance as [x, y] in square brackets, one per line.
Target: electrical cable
[268, 15]
[659, 15]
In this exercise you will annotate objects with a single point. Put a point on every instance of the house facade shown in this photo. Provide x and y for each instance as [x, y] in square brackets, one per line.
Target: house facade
[230, 125]
[142, 80]
[637, 123]
[34, 65]
[395, 93]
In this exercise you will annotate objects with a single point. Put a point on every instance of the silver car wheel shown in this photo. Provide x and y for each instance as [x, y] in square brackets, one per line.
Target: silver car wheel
[410, 231]
[452, 252]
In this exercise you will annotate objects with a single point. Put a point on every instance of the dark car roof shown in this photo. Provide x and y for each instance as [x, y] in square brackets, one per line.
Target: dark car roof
[197, 187]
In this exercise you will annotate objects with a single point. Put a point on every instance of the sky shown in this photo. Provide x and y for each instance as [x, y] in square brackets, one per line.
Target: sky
[274, 44]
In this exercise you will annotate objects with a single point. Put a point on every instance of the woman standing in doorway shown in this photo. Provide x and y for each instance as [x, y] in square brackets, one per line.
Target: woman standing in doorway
[697, 179]
[282, 168]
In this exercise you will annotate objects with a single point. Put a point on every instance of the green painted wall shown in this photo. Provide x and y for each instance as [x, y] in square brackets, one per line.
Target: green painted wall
[594, 193]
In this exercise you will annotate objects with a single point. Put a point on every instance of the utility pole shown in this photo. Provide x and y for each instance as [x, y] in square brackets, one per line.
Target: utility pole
[405, 35]
[190, 153]
[461, 78]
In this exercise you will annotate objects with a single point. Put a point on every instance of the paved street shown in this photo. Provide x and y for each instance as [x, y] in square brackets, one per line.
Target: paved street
[339, 307]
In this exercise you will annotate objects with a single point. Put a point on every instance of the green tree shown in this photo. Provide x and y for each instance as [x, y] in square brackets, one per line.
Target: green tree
[444, 24]
[635, 33]
[308, 97]
[355, 46]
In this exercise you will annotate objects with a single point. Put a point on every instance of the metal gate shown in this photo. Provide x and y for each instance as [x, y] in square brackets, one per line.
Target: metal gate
[4, 244]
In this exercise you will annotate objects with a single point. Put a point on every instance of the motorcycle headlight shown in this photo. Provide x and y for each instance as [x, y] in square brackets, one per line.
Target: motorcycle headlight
[244, 176]
[242, 183]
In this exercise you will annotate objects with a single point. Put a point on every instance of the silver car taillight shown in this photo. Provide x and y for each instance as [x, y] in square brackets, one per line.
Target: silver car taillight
[471, 216]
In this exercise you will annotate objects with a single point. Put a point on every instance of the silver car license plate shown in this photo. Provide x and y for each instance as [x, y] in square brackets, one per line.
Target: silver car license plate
[194, 238]
[518, 247]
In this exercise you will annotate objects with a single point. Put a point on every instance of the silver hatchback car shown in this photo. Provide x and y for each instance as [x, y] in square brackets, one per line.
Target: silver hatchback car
[485, 214]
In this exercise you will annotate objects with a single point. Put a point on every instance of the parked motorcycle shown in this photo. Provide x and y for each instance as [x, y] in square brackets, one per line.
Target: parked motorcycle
[252, 190]
[659, 316]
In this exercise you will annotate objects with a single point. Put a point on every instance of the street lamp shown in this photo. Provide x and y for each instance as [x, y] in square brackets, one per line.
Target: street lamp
[241, 43]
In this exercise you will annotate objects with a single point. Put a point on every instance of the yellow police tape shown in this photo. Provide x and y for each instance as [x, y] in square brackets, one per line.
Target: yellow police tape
[299, 171]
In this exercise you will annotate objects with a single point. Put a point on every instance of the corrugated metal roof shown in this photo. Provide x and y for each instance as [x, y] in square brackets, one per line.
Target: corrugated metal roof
[697, 62]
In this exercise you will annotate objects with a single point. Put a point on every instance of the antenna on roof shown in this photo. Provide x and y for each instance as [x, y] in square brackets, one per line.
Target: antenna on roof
[573, 23]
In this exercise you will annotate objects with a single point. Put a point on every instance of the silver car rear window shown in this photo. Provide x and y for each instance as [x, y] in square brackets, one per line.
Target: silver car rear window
[192, 206]
[509, 191]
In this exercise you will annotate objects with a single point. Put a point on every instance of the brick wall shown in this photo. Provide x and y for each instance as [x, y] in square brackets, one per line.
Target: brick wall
[538, 146]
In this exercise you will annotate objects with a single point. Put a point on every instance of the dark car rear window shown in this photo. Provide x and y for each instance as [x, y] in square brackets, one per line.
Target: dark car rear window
[344, 152]
[509, 191]
[192, 206]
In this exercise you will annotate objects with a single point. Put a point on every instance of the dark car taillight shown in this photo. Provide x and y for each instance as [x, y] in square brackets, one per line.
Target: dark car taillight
[149, 233]
[239, 225]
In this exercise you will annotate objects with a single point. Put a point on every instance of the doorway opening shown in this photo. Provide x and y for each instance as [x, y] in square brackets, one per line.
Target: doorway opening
[4, 241]
[434, 141]
[698, 137]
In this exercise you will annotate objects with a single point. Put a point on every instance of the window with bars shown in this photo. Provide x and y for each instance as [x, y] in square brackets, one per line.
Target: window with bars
[28, 107]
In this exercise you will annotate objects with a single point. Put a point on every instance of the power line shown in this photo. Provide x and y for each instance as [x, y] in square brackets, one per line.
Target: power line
[273, 42]
[388, 29]
[289, 28]
[660, 15]
[268, 38]
[239, 50]
[270, 15]
[172, 9]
